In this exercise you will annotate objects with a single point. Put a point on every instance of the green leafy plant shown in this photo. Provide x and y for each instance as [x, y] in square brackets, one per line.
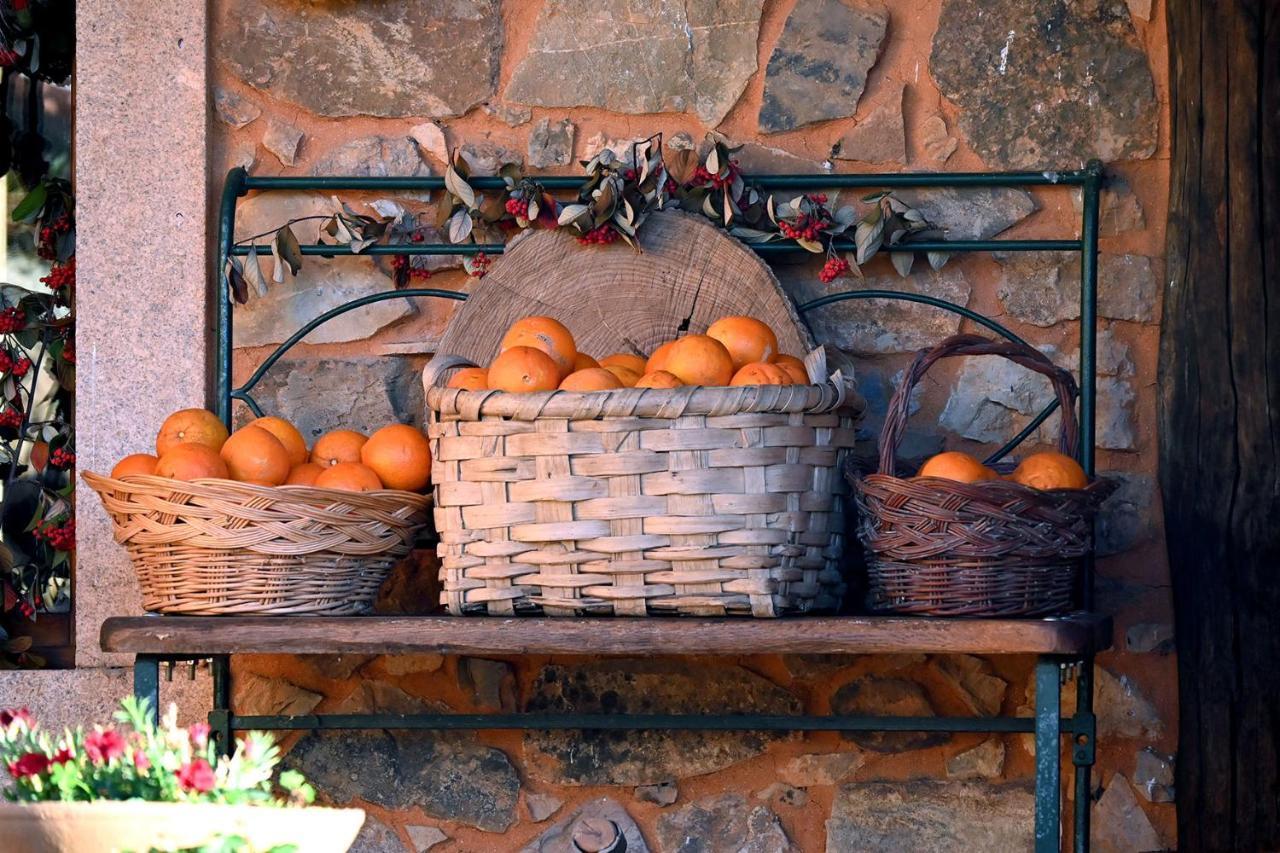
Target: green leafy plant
[135, 759]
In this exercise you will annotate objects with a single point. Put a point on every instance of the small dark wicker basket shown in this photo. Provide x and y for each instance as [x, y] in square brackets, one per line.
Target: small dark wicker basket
[995, 548]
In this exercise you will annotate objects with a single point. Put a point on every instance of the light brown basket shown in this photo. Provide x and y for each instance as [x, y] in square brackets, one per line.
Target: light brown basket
[701, 501]
[994, 548]
[218, 547]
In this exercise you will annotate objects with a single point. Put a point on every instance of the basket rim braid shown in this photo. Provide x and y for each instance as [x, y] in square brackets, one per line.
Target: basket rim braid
[219, 547]
[704, 501]
[990, 548]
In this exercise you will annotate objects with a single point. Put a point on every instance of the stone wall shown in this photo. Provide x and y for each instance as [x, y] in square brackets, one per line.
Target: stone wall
[806, 85]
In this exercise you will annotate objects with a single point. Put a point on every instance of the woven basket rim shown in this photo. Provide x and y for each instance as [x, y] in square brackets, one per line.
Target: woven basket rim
[1098, 489]
[219, 487]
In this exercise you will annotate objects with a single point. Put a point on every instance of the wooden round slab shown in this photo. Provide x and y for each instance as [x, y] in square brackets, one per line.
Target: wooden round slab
[614, 299]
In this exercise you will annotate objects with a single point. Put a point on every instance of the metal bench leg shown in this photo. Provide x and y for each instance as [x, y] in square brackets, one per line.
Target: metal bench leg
[1048, 746]
[146, 683]
[220, 713]
[1083, 751]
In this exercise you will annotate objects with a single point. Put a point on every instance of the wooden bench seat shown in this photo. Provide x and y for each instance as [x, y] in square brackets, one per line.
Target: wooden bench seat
[1075, 635]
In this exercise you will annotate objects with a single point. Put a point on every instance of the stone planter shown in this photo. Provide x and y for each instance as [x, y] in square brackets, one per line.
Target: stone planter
[104, 827]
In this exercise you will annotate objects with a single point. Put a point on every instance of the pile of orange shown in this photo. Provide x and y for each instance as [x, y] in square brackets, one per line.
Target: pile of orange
[194, 444]
[1044, 471]
[540, 354]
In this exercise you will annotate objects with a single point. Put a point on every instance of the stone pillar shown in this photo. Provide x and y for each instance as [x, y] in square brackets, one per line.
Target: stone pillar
[141, 176]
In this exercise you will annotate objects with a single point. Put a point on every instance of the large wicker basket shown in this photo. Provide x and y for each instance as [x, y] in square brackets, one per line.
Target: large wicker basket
[992, 548]
[218, 547]
[701, 501]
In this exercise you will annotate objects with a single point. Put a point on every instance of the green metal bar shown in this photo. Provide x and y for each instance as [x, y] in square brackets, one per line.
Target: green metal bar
[220, 713]
[680, 722]
[146, 683]
[1083, 754]
[231, 192]
[1048, 748]
[933, 301]
[1089, 313]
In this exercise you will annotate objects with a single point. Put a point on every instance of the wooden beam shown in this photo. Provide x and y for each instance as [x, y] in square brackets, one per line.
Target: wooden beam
[1219, 418]
[640, 637]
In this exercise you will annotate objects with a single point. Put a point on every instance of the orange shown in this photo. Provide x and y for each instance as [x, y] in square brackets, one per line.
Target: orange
[136, 463]
[699, 360]
[760, 373]
[793, 367]
[350, 477]
[288, 435]
[626, 375]
[191, 425]
[958, 466]
[591, 379]
[191, 461]
[253, 454]
[400, 455]
[304, 474]
[658, 379]
[658, 361]
[470, 379]
[583, 361]
[747, 339]
[626, 359]
[524, 369]
[341, 445]
[1050, 470]
[546, 334]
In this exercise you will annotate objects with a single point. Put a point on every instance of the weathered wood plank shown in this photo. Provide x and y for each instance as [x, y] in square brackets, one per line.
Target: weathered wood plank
[615, 636]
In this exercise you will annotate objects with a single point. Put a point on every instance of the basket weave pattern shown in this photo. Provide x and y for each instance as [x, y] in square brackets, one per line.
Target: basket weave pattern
[702, 501]
[217, 547]
[992, 548]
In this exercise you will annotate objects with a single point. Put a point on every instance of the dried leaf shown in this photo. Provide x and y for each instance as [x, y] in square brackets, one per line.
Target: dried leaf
[811, 246]
[708, 208]
[902, 262]
[571, 214]
[533, 210]
[460, 226]
[277, 272]
[253, 273]
[290, 251]
[868, 236]
[457, 185]
[388, 209]
[753, 235]
[713, 160]
[938, 260]
[728, 207]
[235, 280]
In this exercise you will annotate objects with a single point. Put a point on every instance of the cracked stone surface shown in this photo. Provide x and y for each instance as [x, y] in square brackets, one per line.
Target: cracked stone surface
[722, 824]
[880, 137]
[888, 817]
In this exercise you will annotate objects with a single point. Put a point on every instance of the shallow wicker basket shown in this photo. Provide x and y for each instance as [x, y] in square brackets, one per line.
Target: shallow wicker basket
[218, 547]
[995, 548]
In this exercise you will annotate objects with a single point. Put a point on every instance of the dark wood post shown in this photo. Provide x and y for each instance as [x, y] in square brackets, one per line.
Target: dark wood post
[1220, 418]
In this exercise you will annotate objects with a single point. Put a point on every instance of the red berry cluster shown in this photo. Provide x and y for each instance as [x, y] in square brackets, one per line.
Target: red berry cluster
[817, 198]
[62, 458]
[833, 269]
[805, 227]
[8, 57]
[480, 264]
[630, 175]
[12, 320]
[61, 275]
[398, 263]
[11, 418]
[601, 235]
[518, 207]
[61, 537]
[7, 364]
[21, 366]
[46, 247]
[69, 352]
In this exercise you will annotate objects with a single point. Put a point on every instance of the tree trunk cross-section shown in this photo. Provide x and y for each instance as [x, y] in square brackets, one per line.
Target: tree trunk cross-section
[1220, 418]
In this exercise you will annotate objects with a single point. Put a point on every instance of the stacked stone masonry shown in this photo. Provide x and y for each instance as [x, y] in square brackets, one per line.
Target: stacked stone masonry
[391, 88]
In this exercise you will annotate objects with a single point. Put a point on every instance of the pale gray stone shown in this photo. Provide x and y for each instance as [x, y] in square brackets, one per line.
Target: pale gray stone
[805, 771]
[376, 837]
[879, 326]
[873, 695]
[1127, 288]
[984, 761]
[819, 65]
[491, 683]
[1117, 428]
[756, 159]
[936, 140]
[978, 213]
[424, 838]
[1149, 637]
[242, 154]
[1119, 824]
[880, 137]
[1123, 712]
[559, 837]
[889, 817]
[233, 109]
[1045, 289]
[662, 794]
[1119, 208]
[598, 142]
[551, 144]
[723, 824]
[509, 114]
[646, 757]
[1111, 359]
[993, 398]
[971, 680]
[1153, 775]
[283, 140]
[321, 283]
[363, 394]
[694, 56]
[1126, 516]
[430, 138]
[486, 159]
[256, 694]
[391, 58]
[373, 157]
[1046, 85]
[542, 806]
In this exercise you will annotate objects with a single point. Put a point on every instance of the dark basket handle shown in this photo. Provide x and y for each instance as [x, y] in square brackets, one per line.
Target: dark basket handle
[1064, 385]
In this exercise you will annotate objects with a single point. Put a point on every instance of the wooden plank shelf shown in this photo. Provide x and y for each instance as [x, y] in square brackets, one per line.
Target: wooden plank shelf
[1077, 634]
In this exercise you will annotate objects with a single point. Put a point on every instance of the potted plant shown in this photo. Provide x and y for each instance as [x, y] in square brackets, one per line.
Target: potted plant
[140, 786]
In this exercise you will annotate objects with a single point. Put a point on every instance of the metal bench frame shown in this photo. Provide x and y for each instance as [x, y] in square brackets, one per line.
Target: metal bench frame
[1053, 667]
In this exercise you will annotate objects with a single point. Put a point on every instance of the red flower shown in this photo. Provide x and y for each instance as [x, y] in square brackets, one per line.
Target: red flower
[104, 746]
[141, 761]
[11, 715]
[31, 764]
[63, 756]
[196, 776]
[199, 734]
